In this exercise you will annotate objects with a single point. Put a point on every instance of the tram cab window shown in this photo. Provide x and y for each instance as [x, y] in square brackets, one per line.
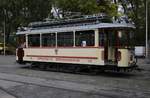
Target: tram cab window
[34, 40]
[124, 38]
[84, 38]
[111, 38]
[65, 39]
[49, 40]
[101, 38]
[107, 36]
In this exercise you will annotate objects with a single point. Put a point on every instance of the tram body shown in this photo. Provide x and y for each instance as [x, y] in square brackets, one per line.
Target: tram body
[98, 44]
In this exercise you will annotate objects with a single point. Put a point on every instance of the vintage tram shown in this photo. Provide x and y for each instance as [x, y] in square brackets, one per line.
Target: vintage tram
[90, 41]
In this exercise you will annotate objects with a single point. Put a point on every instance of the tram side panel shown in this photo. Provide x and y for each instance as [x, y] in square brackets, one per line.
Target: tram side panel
[91, 56]
[127, 58]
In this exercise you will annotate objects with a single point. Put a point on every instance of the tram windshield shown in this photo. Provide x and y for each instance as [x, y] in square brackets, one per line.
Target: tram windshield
[125, 38]
[115, 38]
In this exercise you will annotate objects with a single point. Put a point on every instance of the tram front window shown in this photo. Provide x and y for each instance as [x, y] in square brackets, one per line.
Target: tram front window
[124, 39]
[115, 38]
[107, 37]
[112, 40]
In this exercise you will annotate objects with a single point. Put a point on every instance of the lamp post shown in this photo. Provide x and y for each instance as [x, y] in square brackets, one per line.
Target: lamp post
[4, 32]
[146, 42]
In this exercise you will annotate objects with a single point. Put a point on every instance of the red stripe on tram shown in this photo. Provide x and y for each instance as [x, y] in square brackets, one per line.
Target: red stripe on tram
[62, 57]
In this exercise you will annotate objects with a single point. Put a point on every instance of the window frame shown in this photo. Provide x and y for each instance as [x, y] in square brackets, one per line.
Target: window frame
[48, 40]
[72, 35]
[85, 31]
[28, 36]
[56, 39]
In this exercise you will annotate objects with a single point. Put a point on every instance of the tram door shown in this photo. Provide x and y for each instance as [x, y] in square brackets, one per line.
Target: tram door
[110, 47]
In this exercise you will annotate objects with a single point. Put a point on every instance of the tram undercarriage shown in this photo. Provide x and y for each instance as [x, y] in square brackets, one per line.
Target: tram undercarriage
[77, 68]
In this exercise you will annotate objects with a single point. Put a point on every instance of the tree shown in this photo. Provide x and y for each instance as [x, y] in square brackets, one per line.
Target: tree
[137, 13]
[135, 10]
[87, 6]
[21, 12]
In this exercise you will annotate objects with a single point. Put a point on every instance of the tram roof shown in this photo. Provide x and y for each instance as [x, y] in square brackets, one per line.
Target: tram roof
[75, 28]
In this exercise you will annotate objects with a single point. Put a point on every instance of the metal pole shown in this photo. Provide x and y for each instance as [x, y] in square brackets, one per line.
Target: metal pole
[74, 38]
[146, 42]
[40, 40]
[4, 32]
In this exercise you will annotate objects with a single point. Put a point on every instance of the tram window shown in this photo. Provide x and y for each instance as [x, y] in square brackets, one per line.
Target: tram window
[48, 40]
[34, 40]
[65, 39]
[101, 39]
[111, 38]
[124, 38]
[84, 38]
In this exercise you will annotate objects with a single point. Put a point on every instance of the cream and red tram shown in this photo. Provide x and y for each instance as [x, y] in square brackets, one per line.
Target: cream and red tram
[97, 44]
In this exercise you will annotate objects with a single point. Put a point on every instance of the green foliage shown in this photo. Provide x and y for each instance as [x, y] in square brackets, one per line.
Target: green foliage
[87, 6]
[137, 14]
[17, 13]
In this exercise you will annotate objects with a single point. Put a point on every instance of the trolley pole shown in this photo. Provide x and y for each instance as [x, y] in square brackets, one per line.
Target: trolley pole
[146, 42]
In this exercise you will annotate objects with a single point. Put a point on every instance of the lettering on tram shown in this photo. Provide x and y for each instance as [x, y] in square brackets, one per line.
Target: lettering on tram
[90, 42]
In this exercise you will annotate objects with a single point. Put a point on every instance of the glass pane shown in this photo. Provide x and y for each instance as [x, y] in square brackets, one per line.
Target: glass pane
[101, 38]
[65, 39]
[124, 39]
[85, 38]
[49, 40]
[34, 40]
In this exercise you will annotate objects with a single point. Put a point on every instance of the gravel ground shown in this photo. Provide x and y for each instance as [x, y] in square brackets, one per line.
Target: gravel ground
[108, 85]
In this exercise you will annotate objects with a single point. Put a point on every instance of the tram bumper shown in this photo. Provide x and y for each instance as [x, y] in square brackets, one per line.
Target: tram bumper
[131, 67]
[121, 68]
